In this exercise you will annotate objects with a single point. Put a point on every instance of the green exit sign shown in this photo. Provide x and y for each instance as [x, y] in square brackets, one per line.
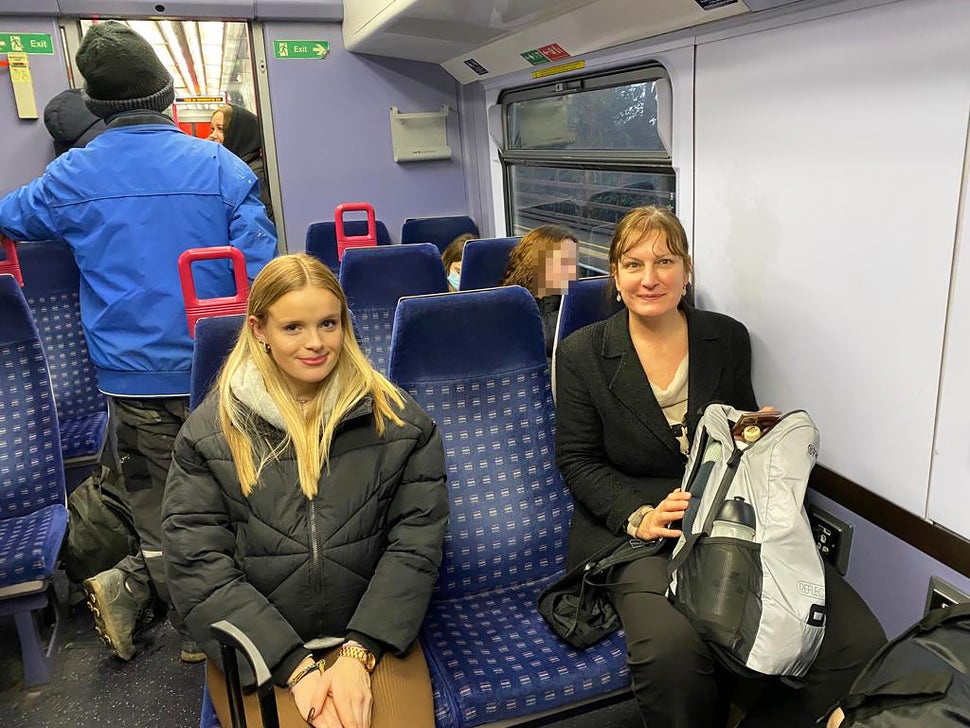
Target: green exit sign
[301, 48]
[534, 57]
[37, 43]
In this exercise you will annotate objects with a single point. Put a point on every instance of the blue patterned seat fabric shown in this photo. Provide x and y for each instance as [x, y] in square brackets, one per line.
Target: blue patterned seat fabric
[51, 282]
[373, 327]
[491, 655]
[33, 516]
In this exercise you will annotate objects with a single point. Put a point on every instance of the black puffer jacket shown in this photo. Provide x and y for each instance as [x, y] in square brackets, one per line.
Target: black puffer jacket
[358, 560]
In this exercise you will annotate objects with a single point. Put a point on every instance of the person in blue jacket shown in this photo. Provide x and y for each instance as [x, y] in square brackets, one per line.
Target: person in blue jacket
[129, 203]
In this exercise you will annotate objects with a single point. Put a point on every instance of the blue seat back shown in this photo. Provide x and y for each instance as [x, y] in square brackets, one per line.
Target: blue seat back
[321, 239]
[483, 262]
[476, 363]
[587, 301]
[374, 279]
[437, 230]
[51, 285]
[31, 469]
[214, 339]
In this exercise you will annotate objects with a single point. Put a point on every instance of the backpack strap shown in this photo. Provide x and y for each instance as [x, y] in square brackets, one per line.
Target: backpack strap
[722, 489]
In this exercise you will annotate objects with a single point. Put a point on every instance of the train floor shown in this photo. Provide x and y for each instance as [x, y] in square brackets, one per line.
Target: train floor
[92, 688]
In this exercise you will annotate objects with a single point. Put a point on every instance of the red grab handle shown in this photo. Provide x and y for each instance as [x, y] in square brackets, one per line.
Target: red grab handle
[354, 241]
[210, 307]
[12, 263]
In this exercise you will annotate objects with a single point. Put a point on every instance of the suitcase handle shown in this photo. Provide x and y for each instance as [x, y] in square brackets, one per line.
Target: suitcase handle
[11, 264]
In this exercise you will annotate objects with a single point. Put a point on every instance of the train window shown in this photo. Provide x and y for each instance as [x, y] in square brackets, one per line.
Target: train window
[583, 151]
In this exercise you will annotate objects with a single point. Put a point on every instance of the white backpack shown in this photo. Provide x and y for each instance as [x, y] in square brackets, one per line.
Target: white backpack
[746, 571]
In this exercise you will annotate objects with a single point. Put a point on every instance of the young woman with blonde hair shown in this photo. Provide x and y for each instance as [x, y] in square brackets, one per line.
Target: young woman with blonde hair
[306, 504]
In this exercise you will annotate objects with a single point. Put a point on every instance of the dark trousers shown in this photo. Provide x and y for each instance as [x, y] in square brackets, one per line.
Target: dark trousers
[678, 683]
[146, 430]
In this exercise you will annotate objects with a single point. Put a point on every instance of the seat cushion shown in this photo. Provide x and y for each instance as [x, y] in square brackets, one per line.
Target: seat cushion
[29, 544]
[83, 435]
[492, 657]
[374, 331]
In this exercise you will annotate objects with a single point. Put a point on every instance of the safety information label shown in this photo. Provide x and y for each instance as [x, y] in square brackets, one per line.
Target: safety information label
[36, 43]
[300, 49]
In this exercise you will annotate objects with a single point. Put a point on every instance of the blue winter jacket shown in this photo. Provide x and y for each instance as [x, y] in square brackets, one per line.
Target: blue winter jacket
[128, 204]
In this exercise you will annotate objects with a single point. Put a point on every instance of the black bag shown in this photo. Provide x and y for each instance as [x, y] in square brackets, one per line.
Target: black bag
[919, 679]
[100, 529]
[577, 607]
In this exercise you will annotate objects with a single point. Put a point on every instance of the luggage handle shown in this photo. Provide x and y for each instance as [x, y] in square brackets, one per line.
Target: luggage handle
[195, 308]
[344, 241]
[11, 264]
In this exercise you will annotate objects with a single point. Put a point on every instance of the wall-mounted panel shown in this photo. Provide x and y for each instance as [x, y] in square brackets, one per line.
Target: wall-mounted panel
[828, 164]
[225, 9]
[333, 137]
[316, 10]
[36, 8]
[27, 147]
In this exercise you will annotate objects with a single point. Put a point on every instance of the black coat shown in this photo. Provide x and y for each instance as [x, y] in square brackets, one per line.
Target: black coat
[614, 447]
[360, 559]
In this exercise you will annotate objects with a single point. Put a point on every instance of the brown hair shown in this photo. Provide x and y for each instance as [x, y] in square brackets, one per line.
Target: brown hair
[312, 434]
[642, 221]
[455, 249]
[535, 246]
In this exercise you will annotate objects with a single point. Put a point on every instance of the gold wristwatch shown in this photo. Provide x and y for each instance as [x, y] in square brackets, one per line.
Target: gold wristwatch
[360, 653]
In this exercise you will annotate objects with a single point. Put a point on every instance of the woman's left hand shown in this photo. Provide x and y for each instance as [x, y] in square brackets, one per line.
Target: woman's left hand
[350, 699]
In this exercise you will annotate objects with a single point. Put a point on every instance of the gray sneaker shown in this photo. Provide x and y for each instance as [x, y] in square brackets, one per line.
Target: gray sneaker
[115, 611]
[191, 652]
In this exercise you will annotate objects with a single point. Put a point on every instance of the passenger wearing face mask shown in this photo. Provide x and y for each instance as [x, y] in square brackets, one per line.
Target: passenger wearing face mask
[237, 129]
[544, 262]
[451, 259]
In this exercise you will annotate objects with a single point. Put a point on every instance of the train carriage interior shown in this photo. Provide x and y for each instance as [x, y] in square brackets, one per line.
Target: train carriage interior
[817, 153]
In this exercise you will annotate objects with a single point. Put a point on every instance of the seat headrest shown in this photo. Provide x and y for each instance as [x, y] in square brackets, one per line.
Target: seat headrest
[214, 339]
[483, 262]
[48, 267]
[378, 276]
[16, 323]
[466, 334]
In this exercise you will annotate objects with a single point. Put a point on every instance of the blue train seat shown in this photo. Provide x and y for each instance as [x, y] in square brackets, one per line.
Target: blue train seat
[321, 239]
[214, 339]
[374, 279]
[587, 301]
[476, 362]
[51, 286]
[33, 511]
[483, 262]
[437, 230]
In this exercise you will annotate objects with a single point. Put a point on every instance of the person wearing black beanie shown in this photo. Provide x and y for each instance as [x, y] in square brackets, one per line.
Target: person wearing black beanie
[121, 71]
[128, 205]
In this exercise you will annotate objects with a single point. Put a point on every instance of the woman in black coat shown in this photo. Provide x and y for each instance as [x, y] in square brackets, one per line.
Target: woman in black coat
[238, 130]
[306, 504]
[629, 393]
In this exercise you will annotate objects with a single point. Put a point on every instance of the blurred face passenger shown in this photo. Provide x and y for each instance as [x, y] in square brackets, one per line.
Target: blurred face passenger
[649, 277]
[305, 336]
[218, 128]
[559, 268]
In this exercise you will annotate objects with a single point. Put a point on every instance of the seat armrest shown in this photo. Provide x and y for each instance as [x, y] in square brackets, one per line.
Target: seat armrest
[231, 638]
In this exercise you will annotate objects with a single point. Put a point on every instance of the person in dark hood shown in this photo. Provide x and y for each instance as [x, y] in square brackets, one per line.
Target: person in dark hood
[237, 129]
[69, 122]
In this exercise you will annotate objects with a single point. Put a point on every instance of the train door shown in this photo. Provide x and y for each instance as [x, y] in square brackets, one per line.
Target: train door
[212, 63]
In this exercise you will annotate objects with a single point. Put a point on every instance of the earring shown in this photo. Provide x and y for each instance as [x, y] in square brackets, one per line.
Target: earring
[266, 347]
[684, 292]
[618, 298]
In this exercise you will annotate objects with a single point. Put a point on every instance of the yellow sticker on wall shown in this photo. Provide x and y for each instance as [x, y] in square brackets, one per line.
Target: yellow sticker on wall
[563, 68]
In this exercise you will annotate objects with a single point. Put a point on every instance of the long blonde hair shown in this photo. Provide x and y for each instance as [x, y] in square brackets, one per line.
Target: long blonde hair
[312, 434]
